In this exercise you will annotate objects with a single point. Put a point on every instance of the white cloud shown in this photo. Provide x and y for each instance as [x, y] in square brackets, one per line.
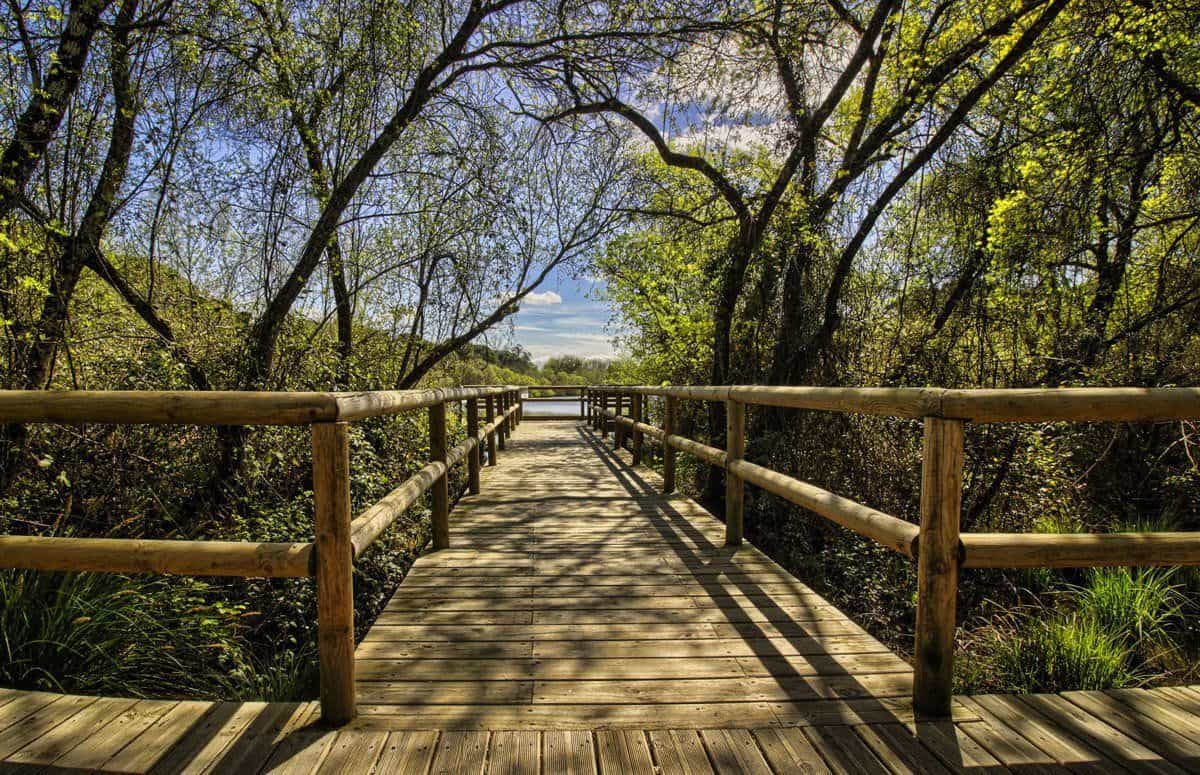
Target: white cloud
[545, 299]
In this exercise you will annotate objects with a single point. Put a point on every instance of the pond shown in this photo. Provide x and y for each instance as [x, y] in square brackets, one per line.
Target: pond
[564, 407]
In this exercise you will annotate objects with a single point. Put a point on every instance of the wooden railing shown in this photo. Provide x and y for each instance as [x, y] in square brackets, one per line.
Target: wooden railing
[937, 545]
[340, 537]
[533, 394]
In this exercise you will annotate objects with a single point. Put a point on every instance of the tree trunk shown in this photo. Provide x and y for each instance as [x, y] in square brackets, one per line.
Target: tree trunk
[344, 308]
[37, 360]
[39, 122]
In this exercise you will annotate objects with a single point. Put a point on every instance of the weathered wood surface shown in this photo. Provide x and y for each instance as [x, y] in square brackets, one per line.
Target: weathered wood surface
[990, 405]
[1134, 730]
[585, 623]
[576, 595]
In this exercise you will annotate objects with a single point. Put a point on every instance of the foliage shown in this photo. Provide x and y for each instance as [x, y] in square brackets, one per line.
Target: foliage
[113, 635]
[1134, 605]
[1057, 654]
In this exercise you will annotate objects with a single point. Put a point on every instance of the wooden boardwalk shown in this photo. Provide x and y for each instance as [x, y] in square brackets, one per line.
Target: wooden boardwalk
[575, 595]
[582, 623]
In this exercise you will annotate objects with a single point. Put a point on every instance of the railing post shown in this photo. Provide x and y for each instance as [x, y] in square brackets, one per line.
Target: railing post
[635, 412]
[473, 455]
[502, 427]
[670, 420]
[735, 490]
[937, 566]
[604, 415]
[440, 492]
[489, 417]
[618, 427]
[334, 570]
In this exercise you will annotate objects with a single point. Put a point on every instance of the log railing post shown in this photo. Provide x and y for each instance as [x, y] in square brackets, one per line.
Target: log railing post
[619, 428]
[604, 414]
[635, 413]
[440, 491]
[937, 566]
[502, 426]
[334, 570]
[735, 489]
[473, 455]
[582, 403]
[488, 418]
[670, 421]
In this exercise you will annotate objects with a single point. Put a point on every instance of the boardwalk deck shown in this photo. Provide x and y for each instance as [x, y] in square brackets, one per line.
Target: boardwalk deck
[576, 595]
[583, 623]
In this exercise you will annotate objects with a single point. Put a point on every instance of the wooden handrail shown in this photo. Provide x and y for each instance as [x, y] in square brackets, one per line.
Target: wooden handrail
[136, 555]
[218, 407]
[982, 405]
[1078, 550]
[892, 532]
[936, 543]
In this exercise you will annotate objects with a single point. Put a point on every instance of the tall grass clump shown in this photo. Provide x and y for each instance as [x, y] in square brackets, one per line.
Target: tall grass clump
[1134, 604]
[1106, 634]
[109, 634]
[1058, 654]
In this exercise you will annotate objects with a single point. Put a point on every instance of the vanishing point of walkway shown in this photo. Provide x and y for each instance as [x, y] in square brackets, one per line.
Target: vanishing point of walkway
[580, 623]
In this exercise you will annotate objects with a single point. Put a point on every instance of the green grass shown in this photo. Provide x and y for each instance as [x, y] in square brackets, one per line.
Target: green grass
[116, 635]
[1058, 654]
[1135, 605]
[1105, 634]
[289, 676]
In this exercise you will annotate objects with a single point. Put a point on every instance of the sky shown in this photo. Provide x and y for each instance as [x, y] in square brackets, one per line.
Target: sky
[565, 317]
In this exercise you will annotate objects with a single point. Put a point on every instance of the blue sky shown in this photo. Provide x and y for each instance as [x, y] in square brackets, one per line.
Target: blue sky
[564, 317]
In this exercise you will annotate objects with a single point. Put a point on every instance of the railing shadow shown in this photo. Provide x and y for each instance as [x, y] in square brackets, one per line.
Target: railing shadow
[761, 638]
[900, 734]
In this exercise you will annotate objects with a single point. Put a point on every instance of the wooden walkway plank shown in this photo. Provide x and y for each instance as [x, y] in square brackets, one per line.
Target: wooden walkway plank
[1008, 712]
[68, 732]
[28, 728]
[1096, 734]
[1144, 727]
[514, 753]
[155, 741]
[460, 753]
[679, 752]
[845, 753]
[352, 752]
[96, 750]
[623, 751]
[408, 752]
[734, 751]
[900, 750]
[632, 609]
[788, 750]
[569, 753]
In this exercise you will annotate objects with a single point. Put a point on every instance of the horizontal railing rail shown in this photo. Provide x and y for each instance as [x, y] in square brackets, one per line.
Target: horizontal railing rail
[936, 543]
[339, 538]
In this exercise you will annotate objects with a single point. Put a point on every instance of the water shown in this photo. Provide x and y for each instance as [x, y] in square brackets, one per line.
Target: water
[567, 407]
